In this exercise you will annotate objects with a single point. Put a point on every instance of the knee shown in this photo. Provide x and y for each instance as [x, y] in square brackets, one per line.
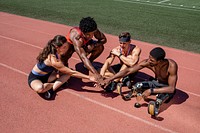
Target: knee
[38, 88]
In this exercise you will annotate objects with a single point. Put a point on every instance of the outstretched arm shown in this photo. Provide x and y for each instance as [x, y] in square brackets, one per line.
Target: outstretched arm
[172, 80]
[60, 67]
[78, 42]
[127, 71]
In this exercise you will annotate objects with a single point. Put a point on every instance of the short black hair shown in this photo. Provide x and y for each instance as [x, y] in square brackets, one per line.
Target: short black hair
[87, 24]
[158, 53]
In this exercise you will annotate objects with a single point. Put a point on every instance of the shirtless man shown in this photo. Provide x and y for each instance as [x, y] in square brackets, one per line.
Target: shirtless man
[81, 41]
[128, 55]
[165, 71]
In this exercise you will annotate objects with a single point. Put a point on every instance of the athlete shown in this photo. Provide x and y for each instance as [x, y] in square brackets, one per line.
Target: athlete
[128, 55]
[81, 41]
[165, 71]
[50, 73]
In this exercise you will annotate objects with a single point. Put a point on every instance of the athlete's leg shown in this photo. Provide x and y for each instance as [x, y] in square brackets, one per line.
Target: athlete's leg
[40, 87]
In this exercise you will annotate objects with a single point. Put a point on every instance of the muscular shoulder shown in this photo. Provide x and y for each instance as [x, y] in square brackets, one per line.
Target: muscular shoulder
[99, 35]
[136, 50]
[173, 67]
[75, 36]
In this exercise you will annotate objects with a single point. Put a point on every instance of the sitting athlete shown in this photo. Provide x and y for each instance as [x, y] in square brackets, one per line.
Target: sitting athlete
[81, 41]
[165, 71]
[50, 68]
[128, 55]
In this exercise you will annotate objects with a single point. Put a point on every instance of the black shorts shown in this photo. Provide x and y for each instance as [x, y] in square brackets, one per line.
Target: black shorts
[116, 67]
[43, 79]
[155, 84]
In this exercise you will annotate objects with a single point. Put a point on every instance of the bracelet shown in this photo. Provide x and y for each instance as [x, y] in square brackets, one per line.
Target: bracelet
[152, 90]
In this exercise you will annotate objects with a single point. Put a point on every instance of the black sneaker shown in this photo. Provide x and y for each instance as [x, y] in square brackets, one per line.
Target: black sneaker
[111, 87]
[127, 82]
[48, 95]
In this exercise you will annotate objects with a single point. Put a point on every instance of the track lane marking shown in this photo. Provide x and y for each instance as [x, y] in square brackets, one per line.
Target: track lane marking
[198, 95]
[101, 104]
[8, 38]
[146, 43]
[159, 5]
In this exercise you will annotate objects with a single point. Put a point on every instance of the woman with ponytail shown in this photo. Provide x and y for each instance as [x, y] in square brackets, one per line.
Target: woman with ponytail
[50, 73]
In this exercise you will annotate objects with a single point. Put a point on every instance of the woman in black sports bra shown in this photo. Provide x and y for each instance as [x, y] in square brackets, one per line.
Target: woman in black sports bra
[50, 73]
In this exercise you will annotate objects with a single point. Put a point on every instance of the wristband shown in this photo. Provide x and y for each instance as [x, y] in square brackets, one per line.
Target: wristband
[152, 90]
[120, 55]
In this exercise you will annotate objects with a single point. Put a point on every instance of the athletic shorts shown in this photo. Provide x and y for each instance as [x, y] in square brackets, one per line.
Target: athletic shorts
[42, 78]
[155, 84]
[117, 68]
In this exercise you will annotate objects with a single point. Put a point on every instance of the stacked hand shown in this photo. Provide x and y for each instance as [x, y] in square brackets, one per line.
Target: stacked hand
[102, 83]
[92, 78]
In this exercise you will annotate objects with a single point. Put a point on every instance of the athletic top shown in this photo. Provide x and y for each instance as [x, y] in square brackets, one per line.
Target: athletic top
[79, 32]
[43, 67]
[130, 49]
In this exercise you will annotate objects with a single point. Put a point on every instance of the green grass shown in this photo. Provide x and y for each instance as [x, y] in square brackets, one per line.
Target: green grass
[173, 26]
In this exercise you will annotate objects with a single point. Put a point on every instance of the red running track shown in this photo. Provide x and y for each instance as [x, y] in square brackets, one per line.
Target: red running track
[79, 107]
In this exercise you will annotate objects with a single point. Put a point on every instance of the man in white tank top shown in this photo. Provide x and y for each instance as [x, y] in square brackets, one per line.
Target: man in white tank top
[128, 55]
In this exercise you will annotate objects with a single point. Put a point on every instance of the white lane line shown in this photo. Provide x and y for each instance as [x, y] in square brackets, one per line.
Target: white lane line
[160, 5]
[102, 104]
[163, 1]
[8, 38]
[121, 112]
[79, 60]
[175, 50]
[26, 28]
[14, 69]
[15, 40]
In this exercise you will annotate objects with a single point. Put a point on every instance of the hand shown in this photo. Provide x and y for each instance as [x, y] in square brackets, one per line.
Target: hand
[115, 52]
[99, 80]
[146, 93]
[105, 83]
[92, 78]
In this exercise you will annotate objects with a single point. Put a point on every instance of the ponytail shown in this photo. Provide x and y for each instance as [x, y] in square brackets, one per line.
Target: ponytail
[51, 46]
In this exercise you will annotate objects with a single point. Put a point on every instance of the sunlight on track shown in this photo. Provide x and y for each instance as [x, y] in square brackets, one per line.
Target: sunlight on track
[101, 104]
[79, 59]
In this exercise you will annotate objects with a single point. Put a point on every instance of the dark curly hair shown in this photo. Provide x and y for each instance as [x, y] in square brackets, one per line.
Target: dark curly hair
[158, 53]
[87, 25]
[50, 48]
